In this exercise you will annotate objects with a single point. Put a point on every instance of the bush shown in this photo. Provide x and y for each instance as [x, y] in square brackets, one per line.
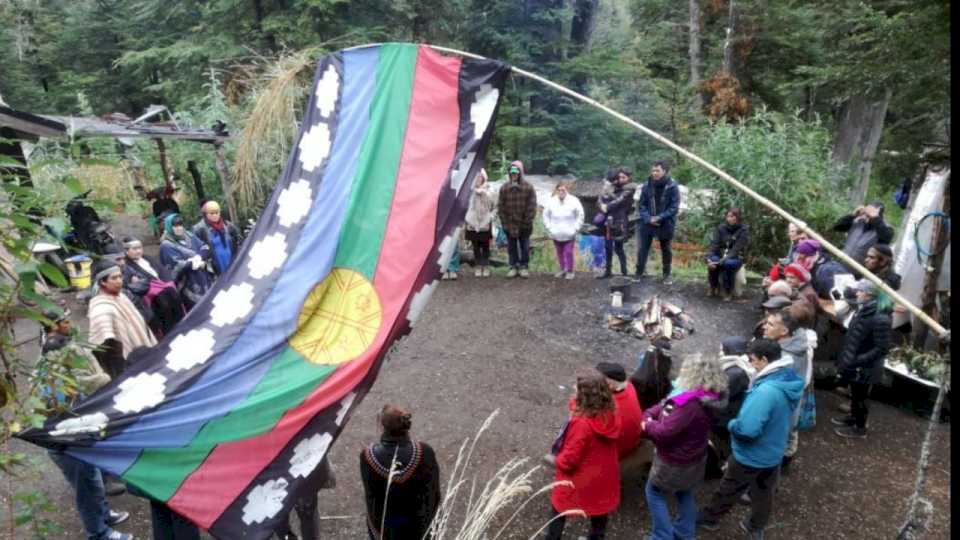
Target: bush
[784, 159]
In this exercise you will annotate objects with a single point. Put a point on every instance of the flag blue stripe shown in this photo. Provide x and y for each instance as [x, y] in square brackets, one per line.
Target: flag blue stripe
[235, 372]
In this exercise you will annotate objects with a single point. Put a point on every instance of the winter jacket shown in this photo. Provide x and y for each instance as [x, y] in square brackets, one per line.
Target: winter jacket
[679, 425]
[729, 242]
[224, 245]
[651, 378]
[479, 216]
[588, 458]
[865, 345]
[862, 234]
[619, 202]
[796, 348]
[759, 433]
[893, 279]
[414, 489]
[739, 373]
[176, 255]
[666, 208]
[630, 414]
[562, 218]
[517, 205]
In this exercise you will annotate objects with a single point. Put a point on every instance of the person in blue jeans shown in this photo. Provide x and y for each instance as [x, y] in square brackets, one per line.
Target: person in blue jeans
[87, 483]
[725, 254]
[679, 427]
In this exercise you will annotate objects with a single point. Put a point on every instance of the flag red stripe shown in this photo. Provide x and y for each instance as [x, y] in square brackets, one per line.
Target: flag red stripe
[429, 147]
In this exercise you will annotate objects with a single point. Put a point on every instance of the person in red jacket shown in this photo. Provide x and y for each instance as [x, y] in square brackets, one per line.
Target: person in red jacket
[627, 406]
[587, 460]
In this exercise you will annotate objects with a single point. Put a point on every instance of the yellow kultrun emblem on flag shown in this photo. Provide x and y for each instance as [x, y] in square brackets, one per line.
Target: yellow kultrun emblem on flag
[339, 320]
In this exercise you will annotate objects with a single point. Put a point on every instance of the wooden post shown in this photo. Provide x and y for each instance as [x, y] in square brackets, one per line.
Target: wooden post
[224, 175]
[197, 183]
[164, 164]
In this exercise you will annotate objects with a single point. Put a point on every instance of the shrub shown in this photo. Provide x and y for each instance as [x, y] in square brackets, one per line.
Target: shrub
[784, 159]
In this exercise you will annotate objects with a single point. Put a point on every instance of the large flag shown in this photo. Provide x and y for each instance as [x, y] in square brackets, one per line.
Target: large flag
[230, 414]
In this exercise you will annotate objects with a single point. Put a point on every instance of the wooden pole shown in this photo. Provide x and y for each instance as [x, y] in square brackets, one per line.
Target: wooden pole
[857, 267]
[164, 165]
[224, 175]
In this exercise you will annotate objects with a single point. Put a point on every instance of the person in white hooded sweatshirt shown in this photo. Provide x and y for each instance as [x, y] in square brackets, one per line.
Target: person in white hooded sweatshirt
[562, 218]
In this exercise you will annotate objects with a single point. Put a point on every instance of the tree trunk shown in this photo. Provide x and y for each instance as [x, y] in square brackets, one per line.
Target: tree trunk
[581, 28]
[164, 164]
[197, 181]
[695, 53]
[858, 136]
[729, 52]
[224, 175]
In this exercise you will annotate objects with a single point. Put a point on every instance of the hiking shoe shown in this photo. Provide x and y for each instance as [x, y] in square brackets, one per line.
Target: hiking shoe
[569, 275]
[667, 280]
[842, 421]
[116, 518]
[707, 524]
[752, 534]
[524, 273]
[116, 535]
[559, 275]
[851, 432]
[844, 407]
[512, 272]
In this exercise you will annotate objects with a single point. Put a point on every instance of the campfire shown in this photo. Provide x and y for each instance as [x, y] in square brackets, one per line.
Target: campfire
[651, 319]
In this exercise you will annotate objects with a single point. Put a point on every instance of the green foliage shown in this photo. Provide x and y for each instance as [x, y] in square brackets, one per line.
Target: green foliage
[784, 159]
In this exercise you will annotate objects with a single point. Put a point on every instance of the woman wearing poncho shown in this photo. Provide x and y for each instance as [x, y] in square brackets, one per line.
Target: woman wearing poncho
[187, 259]
[151, 281]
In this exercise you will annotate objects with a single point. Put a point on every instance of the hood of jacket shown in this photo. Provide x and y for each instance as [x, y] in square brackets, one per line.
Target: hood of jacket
[781, 375]
[604, 426]
[739, 360]
[795, 345]
[713, 402]
[518, 164]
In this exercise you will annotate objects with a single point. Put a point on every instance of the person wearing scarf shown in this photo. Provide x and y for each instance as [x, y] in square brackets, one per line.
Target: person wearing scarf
[725, 254]
[186, 257]
[116, 327]
[222, 236]
[152, 282]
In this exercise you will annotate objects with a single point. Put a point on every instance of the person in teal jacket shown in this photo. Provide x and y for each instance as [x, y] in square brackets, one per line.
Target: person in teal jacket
[759, 436]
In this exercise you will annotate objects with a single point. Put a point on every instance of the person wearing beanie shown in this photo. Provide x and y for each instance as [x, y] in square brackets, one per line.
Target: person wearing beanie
[479, 223]
[116, 327]
[410, 469]
[220, 235]
[627, 406]
[799, 280]
[865, 227]
[517, 208]
[658, 207]
[187, 258]
[823, 271]
[861, 359]
[725, 253]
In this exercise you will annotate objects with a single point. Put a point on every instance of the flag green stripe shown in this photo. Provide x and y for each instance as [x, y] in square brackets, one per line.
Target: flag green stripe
[287, 383]
[363, 231]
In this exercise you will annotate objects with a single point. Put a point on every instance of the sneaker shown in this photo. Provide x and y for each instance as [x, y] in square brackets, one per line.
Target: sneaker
[453, 275]
[851, 432]
[559, 275]
[707, 525]
[745, 499]
[486, 271]
[605, 275]
[752, 534]
[445, 276]
[116, 518]
[116, 535]
[570, 275]
[512, 272]
[667, 280]
[524, 273]
[478, 272]
[842, 421]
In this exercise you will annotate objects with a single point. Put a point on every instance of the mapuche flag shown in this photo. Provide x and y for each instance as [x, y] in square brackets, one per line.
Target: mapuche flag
[230, 414]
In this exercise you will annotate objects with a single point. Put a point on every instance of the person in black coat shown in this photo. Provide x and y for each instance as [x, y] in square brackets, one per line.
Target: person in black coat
[658, 207]
[616, 206]
[153, 285]
[725, 254]
[411, 495]
[862, 356]
[865, 227]
[651, 377]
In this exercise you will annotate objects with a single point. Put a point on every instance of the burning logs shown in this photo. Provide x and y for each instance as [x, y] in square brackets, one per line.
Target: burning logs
[651, 319]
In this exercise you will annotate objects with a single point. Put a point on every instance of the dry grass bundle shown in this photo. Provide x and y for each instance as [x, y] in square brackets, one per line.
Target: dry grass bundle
[273, 121]
[507, 487]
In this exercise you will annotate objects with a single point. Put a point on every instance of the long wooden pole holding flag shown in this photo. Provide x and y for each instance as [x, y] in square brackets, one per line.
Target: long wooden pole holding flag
[929, 321]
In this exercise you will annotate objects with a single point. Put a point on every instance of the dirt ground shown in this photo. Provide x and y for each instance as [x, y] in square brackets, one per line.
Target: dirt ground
[515, 345]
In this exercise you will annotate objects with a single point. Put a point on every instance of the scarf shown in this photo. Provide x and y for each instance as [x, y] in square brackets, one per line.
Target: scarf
[218, 226]
[168, 233]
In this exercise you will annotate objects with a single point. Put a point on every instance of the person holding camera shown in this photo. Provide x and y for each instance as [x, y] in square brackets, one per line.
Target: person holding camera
[861, 358]
[725, 254]
[865, 228]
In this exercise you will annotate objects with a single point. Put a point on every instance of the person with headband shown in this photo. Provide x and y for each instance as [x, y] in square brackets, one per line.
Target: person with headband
[186, 257]
[222, 236]
[116, 327]
[150, 281]
[401, 477]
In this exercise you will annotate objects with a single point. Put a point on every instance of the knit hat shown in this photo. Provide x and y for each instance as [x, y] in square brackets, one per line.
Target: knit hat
[866, 286]
[210, 206]
[612, 370]
[780, 288]
[797, 271]
[777, 302]
[808, 247]
[734, 345]
[884, 250]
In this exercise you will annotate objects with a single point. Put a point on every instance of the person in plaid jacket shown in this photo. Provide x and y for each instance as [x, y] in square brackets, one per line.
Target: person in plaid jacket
[517, 207]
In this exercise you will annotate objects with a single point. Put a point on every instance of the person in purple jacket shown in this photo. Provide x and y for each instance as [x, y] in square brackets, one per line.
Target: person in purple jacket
[678, 427]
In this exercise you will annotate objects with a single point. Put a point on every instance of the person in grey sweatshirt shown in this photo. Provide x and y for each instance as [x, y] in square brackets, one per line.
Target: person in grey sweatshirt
[784, 328]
